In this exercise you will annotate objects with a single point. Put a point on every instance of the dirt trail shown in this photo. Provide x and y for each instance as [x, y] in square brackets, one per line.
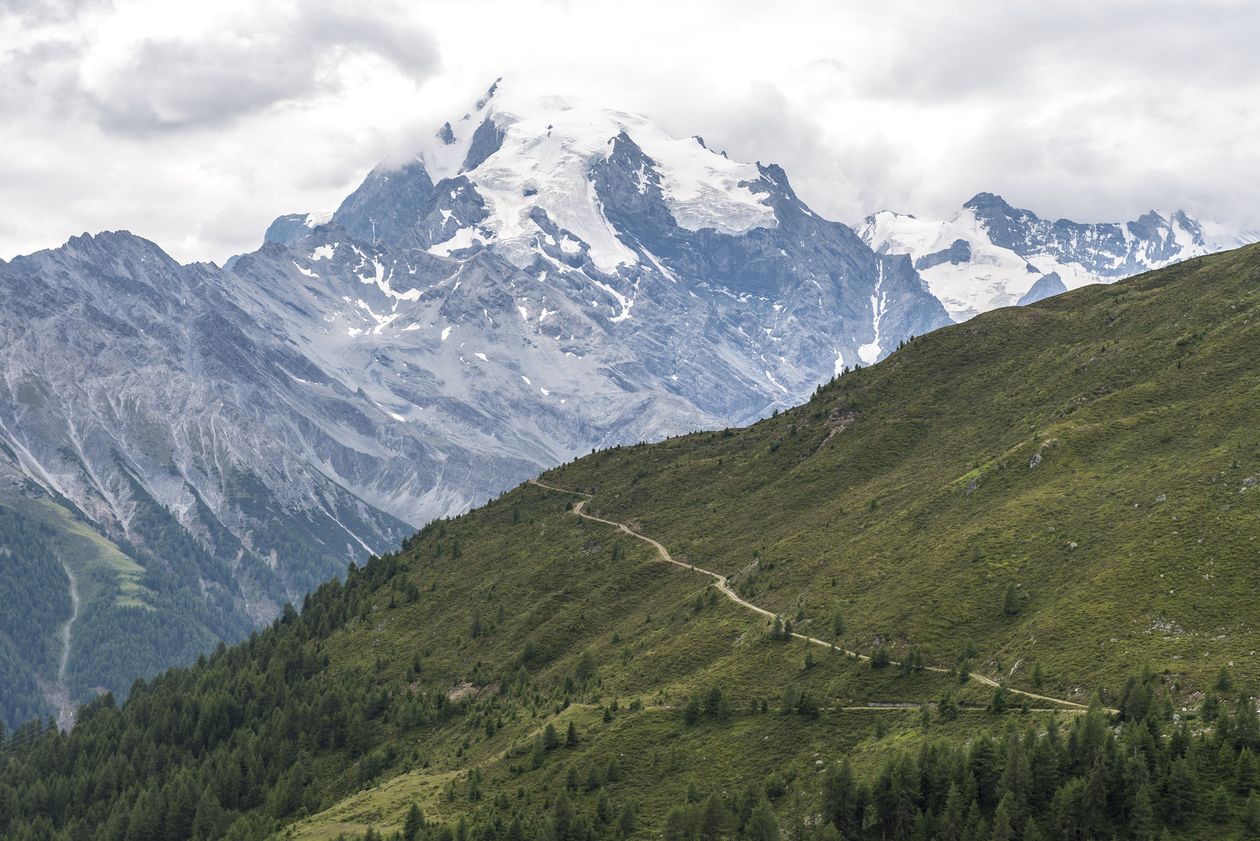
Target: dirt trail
[724, 587]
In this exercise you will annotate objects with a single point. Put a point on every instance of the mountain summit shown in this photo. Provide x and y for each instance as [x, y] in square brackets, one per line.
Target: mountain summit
[991, 254]
[535, 281]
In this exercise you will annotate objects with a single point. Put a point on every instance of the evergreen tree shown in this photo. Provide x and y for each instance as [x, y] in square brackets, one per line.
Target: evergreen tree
[538, 753]
[1181, 792]
[839, 799]
[1003, 819]
[1142, 820]
[414, 823]
[953, 821]
[1245, 727]
[948, 706]
[1224, 680]
[1044, 765]
[1251, 815]
[626, 821]
[1246, 774]
[998, 703]
[1011, 602]
[762, 825]
[982, 765]
[1218, 808]
[714, 819]
[562, 818]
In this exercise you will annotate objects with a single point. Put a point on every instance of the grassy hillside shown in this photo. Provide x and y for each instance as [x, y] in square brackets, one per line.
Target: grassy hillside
[1100, 451]
[1001, 497]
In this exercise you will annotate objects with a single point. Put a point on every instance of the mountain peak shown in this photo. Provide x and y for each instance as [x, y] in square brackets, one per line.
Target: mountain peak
[520, 156]
[988, 201]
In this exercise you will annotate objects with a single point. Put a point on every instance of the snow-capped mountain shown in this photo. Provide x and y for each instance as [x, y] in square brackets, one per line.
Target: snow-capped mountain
[540, 279]
[991, 254]
[535, 281]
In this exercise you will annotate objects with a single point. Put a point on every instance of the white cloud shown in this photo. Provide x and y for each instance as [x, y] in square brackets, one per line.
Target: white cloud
[195, 124]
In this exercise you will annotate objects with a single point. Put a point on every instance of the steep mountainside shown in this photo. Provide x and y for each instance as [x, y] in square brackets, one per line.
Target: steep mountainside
[1048, 496]
[538, 281]
[992, 255]
[165, 452]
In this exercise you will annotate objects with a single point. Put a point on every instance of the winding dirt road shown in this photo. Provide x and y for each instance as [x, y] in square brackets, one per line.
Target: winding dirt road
[722, 585]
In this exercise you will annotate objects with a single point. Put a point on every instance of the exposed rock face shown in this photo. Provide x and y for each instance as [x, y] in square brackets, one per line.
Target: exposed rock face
[1046, 286]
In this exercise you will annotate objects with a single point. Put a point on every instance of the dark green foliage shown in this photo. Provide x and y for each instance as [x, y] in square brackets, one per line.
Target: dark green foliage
[1096, 783]
[36, 600]
[1224, 680]
[1012, 602]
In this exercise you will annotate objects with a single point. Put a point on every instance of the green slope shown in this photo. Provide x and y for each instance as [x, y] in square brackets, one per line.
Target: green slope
[905, 494]
[901, 497]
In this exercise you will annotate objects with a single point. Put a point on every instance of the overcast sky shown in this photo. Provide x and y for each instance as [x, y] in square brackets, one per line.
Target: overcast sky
[195, 124]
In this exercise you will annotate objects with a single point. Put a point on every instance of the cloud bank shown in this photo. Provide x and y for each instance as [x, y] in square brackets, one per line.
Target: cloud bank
[195, 124]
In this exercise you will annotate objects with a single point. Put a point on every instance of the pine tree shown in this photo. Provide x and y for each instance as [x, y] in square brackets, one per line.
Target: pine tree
[1246, 725]
[679, 824]
[1224, 680]
[1142, 820]
[1246, 779]
[1044, 764]
[626, 821]
[982, 764]
[948, 706]
[1181, 793]
[1011, 603]
[953, 821]
[562, 816]
[837, 623]
[538, 754]
[1251, 815]
[571, 737]
[839, 793]
[714, 819]
[603, 807]
[1218, 809]
[998, 703]
[413, 824]
[1210, 708]
[1003, 819]
[762, 825]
